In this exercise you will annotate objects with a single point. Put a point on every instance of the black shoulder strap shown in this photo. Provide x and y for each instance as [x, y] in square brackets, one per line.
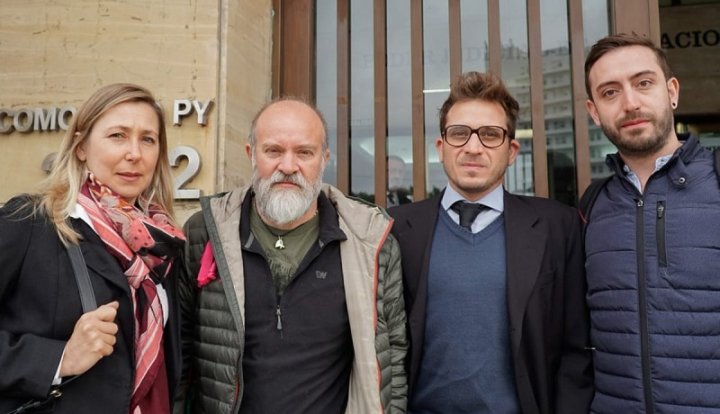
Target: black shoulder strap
[716, 153]
[588, 199]
[87, 296]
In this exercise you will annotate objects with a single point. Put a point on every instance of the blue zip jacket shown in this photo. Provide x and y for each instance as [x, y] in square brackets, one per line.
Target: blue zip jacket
[653, 269]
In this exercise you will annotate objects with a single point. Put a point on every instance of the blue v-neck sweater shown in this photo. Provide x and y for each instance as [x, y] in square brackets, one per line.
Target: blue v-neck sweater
[466, 363]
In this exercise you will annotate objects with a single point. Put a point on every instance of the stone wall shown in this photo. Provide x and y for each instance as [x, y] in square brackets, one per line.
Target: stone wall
[56, 53]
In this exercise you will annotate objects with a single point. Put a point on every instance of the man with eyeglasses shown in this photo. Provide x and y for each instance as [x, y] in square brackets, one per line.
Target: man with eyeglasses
[494, 282]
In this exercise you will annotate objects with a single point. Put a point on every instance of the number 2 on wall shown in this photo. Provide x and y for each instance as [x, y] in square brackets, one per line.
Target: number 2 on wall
[193, 167]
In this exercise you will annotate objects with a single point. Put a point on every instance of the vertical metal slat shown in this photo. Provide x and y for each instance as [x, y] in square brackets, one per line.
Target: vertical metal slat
[418, 100]
[537, 100]
[455, 38]
[494, 46]
[580, 118]
[343, 96]
[380, 102]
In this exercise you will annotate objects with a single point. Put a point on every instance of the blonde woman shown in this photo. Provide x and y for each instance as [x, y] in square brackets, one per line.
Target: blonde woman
[110, 193]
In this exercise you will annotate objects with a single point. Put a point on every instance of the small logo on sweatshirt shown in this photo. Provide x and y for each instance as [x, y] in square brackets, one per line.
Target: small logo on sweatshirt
[320, 275]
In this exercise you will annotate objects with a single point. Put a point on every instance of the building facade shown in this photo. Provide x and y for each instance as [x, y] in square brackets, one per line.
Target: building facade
[378, 69]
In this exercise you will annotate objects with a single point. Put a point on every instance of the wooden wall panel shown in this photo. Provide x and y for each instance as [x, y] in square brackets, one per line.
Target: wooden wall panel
[380, 101]
[419, 173]
[539, 138]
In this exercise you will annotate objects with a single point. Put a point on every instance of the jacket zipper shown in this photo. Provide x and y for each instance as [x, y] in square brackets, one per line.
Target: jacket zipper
[660, 234]
[642, 309]
[238, 387]
[278, 312]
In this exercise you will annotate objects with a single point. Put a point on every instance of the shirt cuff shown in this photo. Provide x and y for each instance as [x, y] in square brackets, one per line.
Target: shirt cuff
[58, 379]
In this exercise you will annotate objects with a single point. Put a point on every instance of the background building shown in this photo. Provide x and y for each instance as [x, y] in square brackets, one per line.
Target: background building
[378, 69]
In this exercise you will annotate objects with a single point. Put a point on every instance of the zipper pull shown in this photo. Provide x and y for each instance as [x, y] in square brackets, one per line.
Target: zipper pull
[660, 210]
[279, 323]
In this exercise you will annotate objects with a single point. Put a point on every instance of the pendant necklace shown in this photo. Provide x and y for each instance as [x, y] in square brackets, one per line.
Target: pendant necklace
[279, 243]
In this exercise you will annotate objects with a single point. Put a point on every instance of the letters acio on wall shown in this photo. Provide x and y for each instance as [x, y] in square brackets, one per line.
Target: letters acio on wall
[52, 119]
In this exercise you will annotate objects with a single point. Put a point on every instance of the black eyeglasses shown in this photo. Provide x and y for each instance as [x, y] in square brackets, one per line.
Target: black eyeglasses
[490, 136]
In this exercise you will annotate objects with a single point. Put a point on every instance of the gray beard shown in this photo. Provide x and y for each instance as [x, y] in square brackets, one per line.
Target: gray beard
[284, 206]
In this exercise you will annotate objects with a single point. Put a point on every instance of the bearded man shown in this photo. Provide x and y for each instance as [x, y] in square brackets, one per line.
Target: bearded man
[293, 300]
[652, 241]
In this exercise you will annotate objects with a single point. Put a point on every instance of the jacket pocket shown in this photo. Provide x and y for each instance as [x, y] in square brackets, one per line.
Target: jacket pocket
[660, 234]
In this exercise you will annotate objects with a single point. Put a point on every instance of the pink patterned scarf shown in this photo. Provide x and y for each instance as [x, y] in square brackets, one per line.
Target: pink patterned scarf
[145, 246]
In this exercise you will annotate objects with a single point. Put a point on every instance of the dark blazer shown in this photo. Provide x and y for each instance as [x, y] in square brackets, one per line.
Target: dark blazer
[39, 306]
[545, 294]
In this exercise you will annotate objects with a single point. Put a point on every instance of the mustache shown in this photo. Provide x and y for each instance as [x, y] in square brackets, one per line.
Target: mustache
[636, 115]
[294, 178]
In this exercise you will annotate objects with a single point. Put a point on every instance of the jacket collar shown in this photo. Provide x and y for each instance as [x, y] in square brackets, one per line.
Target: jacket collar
[352, 214]
[687, 151]
[525, 248]
[329, 228]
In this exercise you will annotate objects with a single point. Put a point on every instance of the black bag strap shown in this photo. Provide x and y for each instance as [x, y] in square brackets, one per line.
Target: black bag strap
[87, 296]
[590, 195]
[588, 200]
[716, 153]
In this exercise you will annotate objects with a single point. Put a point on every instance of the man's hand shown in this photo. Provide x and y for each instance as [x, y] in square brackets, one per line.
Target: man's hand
[92, 339]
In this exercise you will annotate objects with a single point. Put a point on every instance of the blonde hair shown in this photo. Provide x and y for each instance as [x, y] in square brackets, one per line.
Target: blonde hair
[59, 191]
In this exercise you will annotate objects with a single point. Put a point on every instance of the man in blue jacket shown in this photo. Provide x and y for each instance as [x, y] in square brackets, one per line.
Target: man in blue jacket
[652, 242]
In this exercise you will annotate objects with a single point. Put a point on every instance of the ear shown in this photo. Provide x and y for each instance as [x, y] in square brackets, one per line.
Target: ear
[592, 110]
[674, 90]
[248, 151]
[439, 148]
[80, 150]
[514, 151]
[326, 157]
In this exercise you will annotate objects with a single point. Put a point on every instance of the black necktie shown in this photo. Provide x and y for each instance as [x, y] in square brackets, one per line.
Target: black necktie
[467, 212]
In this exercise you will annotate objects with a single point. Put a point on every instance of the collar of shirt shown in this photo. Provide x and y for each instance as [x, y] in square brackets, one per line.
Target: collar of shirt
[633, 178]
[81, 213]
[494, 200]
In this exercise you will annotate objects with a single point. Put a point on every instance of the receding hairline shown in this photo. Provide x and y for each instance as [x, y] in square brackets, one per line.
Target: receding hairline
[292, 101]
[292, 104]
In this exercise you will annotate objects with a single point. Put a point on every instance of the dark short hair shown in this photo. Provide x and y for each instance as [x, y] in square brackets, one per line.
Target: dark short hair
[616, 41]
[481, 86]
